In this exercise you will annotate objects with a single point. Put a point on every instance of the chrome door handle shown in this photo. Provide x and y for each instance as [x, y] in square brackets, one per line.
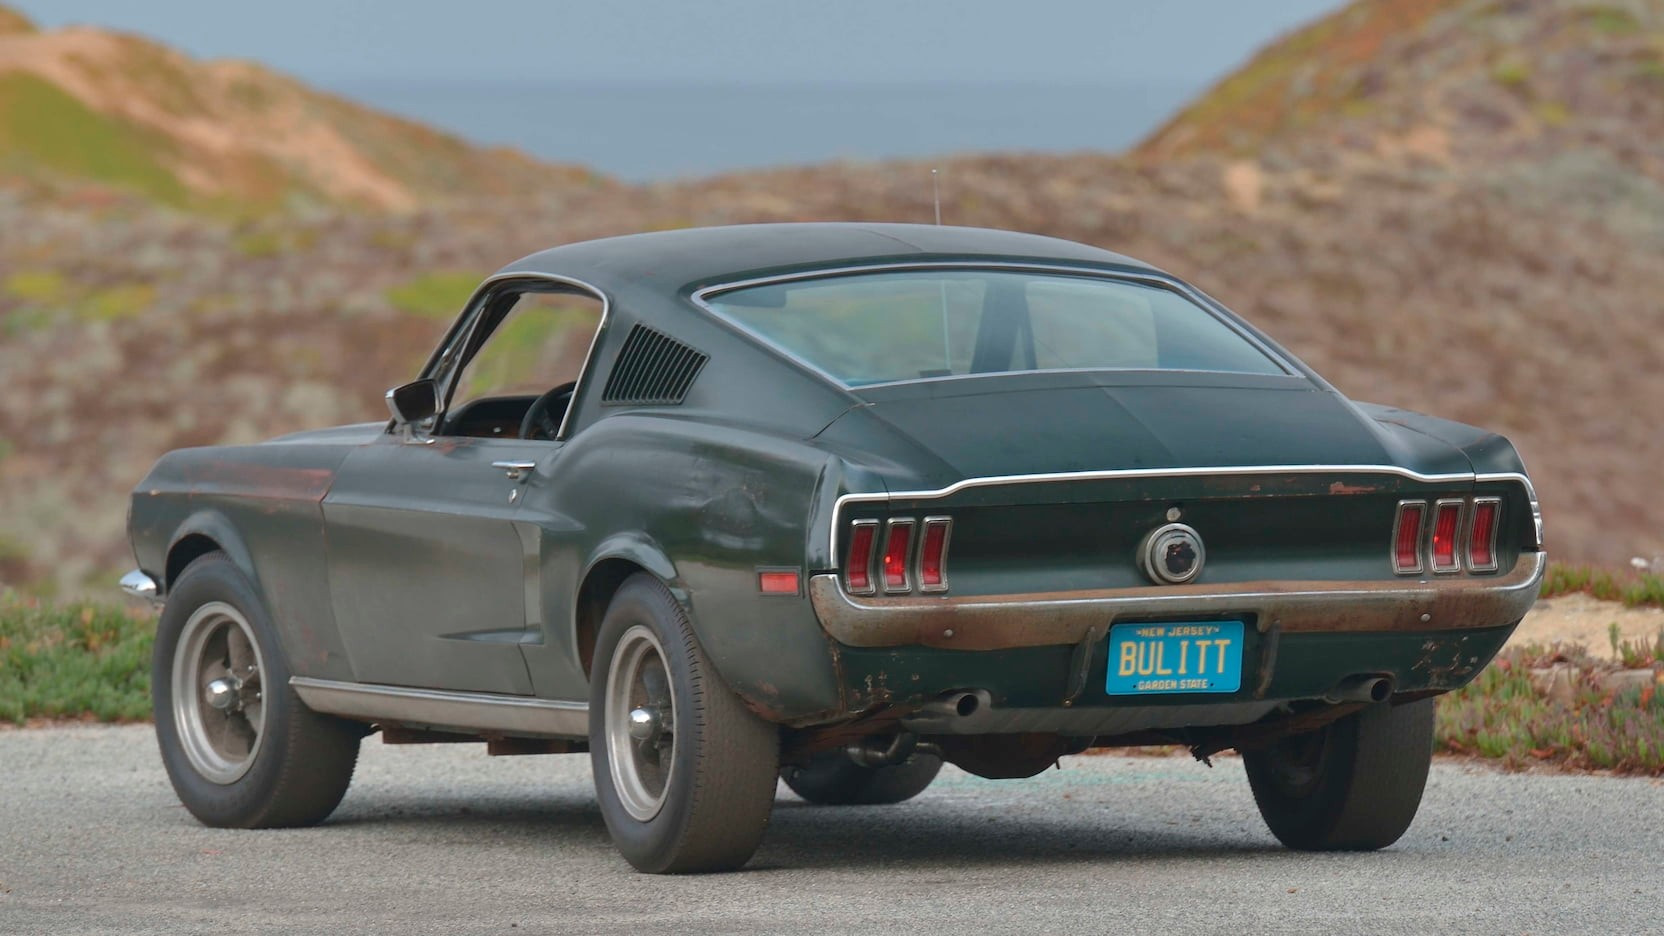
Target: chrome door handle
[517, 470]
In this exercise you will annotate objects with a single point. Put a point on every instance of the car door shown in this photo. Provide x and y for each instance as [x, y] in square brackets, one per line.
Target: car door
[426, 567]
[430, 562]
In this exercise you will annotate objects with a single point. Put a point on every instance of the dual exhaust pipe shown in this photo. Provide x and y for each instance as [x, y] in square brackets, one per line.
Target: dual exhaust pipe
[1366, 688]
[953, 713]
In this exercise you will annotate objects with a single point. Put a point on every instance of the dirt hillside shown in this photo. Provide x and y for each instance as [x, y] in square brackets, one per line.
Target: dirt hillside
[1451, 206]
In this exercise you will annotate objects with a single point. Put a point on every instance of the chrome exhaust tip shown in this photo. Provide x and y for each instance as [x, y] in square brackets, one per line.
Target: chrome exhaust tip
[1366, 688]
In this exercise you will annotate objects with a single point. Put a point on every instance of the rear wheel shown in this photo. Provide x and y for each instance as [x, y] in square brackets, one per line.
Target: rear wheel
[239, 746]
[684, 772]
[1353, 785]
[832, 779]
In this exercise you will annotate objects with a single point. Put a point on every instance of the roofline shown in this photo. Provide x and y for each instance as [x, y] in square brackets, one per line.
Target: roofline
[550, 260]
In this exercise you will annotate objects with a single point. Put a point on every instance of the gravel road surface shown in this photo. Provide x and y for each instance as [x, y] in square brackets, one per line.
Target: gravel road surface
[443, 839]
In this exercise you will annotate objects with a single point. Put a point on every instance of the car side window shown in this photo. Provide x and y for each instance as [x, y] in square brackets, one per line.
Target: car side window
[539, 344]
[520, 365]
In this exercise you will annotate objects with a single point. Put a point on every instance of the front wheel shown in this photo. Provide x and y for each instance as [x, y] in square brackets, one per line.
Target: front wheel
[1352, 785]
[684, 772]
[240, 747]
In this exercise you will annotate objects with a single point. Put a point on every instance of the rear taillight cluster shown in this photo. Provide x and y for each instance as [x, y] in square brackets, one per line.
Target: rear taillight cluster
[898, 556]
[1448, 535]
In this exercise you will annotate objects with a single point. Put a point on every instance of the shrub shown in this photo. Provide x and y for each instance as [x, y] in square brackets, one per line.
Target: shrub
[1634, 590]
[1502, 715]
[76, 660]
[434, 295]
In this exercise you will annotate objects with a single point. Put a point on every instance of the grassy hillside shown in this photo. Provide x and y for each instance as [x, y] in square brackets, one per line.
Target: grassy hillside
[84, 105]
[42, 126]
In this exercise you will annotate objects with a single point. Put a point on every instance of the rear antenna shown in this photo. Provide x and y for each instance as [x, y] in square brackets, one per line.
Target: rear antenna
[941, 285]
[936, 196]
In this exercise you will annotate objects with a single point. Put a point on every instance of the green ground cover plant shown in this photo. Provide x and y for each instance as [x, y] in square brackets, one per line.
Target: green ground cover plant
[40, 124]
[1508, 715]
[73, 661]
[1640, 589]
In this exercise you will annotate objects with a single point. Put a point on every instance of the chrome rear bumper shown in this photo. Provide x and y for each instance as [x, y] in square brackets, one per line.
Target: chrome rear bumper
[1005, 621]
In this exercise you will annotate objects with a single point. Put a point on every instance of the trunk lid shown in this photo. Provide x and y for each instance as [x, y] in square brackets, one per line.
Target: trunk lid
[1045, 424]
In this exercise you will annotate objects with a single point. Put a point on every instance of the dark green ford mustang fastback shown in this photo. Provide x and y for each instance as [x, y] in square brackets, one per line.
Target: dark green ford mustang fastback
[835, 503]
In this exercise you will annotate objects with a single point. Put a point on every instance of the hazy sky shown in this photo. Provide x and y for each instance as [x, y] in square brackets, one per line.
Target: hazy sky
[1078, 41]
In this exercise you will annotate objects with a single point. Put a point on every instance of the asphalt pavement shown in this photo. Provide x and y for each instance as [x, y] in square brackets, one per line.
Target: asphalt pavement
[443, 839]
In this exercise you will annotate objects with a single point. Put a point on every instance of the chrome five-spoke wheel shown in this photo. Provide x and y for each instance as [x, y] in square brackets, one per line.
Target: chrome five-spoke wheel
[641, 723]
[239, 746]
[684, 772]
[217, 700]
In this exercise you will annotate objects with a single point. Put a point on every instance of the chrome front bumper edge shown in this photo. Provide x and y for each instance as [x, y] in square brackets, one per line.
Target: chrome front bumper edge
[139, 585]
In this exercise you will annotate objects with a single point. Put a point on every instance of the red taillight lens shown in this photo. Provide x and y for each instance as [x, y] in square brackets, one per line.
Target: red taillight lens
[1447, 520]
[897, 549]
[1482, 539]
[858, 564]
[1406, 537]
[933, 555]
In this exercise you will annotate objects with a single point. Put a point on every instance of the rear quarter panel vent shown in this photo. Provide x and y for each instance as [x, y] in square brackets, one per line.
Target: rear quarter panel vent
[653, 368]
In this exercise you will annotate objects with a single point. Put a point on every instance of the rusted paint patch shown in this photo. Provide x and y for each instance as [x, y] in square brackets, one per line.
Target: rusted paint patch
[1341, 487]
[1447, 662]
[260, 482]
[763, 698]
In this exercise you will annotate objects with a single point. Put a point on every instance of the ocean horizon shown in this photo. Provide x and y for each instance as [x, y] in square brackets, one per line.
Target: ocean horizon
[660, 131]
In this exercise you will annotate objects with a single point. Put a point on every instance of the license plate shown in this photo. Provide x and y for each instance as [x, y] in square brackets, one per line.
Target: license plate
[1201, 656]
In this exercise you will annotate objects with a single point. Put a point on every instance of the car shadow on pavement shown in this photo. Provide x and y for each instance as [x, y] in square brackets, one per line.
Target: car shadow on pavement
[924, 834]
[927, 835]
[532, 816]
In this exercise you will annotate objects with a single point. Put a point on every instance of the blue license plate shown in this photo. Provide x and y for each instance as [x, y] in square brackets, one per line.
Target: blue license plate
[1200, 656]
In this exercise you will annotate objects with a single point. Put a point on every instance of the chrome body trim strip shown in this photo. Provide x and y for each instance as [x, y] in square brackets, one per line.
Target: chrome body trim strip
[139, 585]
[998, 622]
[1530, 495]
[1133, 473]
[518, 716]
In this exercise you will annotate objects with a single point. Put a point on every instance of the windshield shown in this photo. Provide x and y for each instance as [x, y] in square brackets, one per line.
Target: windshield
[874, 328]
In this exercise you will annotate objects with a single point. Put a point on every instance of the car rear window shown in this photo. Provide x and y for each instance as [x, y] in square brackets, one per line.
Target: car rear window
[870, 328]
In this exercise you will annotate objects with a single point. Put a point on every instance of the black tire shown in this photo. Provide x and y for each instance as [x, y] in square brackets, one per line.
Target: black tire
[720, 769]
[1353, 785]
[832, 779]
[303, 762]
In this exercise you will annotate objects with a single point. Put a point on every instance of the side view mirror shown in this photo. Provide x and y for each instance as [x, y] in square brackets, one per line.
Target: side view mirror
[413, 402]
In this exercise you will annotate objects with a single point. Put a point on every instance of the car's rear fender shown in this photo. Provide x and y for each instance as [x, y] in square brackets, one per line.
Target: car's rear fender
[704, 508]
